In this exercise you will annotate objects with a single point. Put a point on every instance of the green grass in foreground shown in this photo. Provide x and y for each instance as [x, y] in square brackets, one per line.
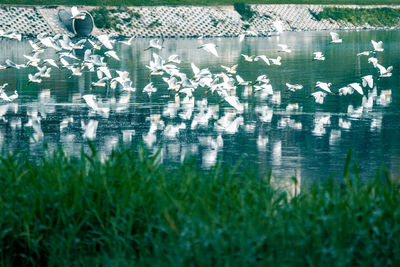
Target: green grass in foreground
[129, 211]
[195, 2]
[361, 16]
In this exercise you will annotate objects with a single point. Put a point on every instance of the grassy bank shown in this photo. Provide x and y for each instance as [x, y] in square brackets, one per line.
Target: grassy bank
[130, 211]
[361, 16]
[196, 2]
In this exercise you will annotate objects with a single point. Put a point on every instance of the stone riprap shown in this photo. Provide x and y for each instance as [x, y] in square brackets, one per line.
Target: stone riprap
[184, 21]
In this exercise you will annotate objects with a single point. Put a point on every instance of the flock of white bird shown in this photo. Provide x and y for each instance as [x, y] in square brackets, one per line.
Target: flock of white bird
[182, 85]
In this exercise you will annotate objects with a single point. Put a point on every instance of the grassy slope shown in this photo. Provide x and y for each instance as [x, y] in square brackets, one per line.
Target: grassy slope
[361, 16]
[195, 2]
[128, 210]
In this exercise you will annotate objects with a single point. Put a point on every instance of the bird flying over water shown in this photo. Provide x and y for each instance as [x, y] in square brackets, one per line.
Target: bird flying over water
[335, 37]
[378, 46]
[318, 56]
[324, 86]
[210, 48]
[154, 43]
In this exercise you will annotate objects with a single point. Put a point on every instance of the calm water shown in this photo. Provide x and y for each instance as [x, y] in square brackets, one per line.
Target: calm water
[287, 131]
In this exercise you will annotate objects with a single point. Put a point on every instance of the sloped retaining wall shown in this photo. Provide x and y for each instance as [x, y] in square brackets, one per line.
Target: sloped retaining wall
[184, 21]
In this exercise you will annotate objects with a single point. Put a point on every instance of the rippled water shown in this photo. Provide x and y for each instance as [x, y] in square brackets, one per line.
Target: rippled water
[287, 131]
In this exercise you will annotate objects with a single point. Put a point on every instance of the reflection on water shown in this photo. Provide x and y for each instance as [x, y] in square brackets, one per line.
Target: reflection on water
[285, 130]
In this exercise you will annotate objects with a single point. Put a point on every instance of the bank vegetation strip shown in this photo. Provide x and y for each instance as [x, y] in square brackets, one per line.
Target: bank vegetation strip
[195, 2]
[129, 210]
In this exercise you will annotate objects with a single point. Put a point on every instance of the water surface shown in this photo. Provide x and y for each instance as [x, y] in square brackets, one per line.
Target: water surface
[287, 131]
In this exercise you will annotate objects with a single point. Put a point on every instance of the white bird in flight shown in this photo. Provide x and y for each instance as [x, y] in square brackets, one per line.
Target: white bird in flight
[248, 58]
[364, 53]
[384, 72]
[264, 58]
[210, 48]
[357, 87]
[378, 46]
[324, 86]
[129, 41]
[112, 53]
[149, 89]
[105, 40]
[284, 48]
[318, 56]
[335, 37]
[154, 43]
[76, 14]
[347, 90]
[294, 87]
[374, 61]
[276, 61]
[231, 70]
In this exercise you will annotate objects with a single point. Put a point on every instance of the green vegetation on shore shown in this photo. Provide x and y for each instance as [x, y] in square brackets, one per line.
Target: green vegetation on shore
[361, 16]
[196, 2]
[129, 210]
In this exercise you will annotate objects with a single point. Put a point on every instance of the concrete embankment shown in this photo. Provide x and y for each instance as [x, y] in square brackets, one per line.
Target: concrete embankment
[183, 21]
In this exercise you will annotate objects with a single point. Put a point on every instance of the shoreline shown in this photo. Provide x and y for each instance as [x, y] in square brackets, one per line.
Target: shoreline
[183, 21]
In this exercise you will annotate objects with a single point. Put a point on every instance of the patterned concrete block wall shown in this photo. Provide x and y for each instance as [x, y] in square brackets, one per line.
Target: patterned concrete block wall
[24, 20]
[184, 21]
[222, 21]
[177, 22]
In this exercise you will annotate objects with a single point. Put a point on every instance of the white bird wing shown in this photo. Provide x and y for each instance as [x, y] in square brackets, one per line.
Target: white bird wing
[234, 67]
[106, 71]
[105, 40]
[381, 68]
[263, 57]
[195, 69]
[239, 79]
[318, 54]
[4, 96]
[155, 43]
[149, 88]
[374, 61]
[210, 47]
[158, 60]
[377, 45]
[74, 11]
[174, 58]
[283, 46]
[334, 36]
[234, 102]
[112, 54]
[246, 57]
[225, 67]
[357, 87]
[324, 86]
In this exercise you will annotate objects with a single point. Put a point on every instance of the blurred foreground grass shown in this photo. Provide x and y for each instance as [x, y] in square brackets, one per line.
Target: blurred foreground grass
[129, 210]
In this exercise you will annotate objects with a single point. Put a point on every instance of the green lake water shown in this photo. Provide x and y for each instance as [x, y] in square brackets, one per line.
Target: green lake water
[286, 131]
